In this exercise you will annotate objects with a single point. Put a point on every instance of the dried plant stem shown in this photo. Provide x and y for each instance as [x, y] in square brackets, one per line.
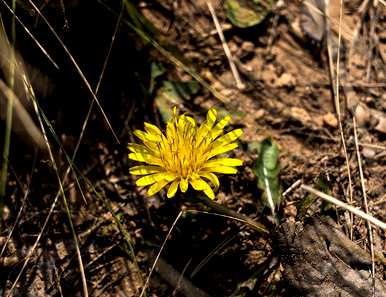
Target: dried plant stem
[370, 229]
[225, 46]
[346, 206]
[336, 92]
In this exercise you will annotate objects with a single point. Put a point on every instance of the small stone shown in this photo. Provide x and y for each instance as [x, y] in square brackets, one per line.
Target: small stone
[330, 120]
[381, 126]
[233, 47]
[368, 152]
[300, 114]
[284, 80]
[248, 46]
[6, 213]
[362, 115]
[259, 113]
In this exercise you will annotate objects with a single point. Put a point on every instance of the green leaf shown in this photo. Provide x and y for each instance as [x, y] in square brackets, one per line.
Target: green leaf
[267, 173]
[156, 70]
[247, 13]
[172, 93]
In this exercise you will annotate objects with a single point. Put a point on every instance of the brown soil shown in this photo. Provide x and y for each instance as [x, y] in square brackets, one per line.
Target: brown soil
[288, 95]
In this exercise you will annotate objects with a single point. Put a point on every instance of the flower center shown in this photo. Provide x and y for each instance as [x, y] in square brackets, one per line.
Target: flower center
[179, 150]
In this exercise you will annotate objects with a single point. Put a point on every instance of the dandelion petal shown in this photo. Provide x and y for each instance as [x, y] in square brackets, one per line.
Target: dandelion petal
[227, 138]
[224, 162]
[218, 129]
[222, 169]
[144, 169]
[212, 178]
[199, 184]
[184, 185]
[147, 158]
[184, 154]
[155, 188]
[149, 179]
[222, 149]
[209, 192]
[173, 189]
[152, 129]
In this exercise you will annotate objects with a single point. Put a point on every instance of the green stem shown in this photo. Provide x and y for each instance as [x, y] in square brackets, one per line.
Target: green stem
[221, 209]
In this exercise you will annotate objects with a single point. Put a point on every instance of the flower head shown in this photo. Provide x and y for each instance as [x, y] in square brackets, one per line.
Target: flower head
[184, 154]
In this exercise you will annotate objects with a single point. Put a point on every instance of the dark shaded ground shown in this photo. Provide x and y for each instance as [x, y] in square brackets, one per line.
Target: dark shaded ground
[288, 96]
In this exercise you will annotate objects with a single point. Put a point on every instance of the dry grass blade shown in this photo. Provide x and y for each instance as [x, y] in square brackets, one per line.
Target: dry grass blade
[23, 124]
[80, 72]
[11, 109]
[374, 146]
[67, 171]
[15, 74]
[31, 35]
[85, 122]
[60, 193]
[31, 95]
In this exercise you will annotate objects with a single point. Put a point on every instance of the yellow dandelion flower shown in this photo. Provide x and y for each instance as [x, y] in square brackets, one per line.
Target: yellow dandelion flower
[184, 154]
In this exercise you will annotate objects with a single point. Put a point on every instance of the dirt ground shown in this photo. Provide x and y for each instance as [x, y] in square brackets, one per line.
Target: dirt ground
[287, 64]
